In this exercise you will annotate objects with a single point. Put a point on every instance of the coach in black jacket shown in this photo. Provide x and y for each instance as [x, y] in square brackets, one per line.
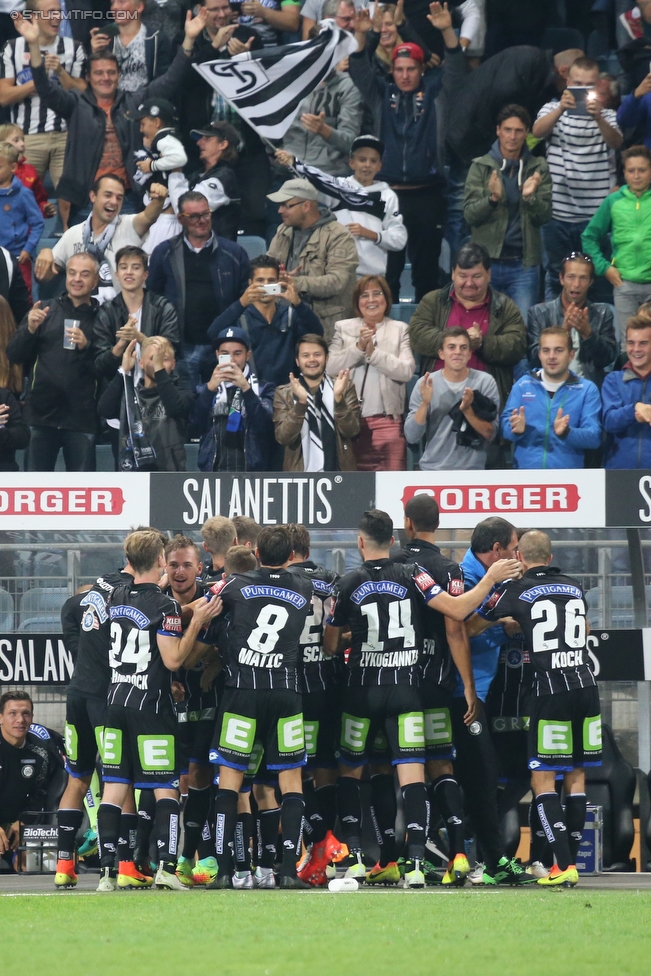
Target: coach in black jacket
[87, 120]
[60, 402]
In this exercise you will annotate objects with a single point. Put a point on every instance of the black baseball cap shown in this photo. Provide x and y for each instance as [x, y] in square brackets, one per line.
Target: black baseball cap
[157, 108]
[367, 142]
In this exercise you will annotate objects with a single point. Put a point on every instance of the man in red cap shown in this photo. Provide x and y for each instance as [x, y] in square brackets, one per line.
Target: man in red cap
[411, 163]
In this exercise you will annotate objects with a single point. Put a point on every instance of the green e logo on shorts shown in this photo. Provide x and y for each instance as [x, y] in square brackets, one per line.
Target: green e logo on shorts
[411, 730]
[438, 727]
[112, 747]
[290, 734]
[354, 732]
[238, 733]
[554, 738]
[71, 742]
[592, 734]
[255, 760]
[311, 730]
[156, 752]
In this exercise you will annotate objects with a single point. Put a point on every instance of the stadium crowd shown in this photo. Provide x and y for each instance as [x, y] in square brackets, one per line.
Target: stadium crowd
[266, 690]
[199, 283]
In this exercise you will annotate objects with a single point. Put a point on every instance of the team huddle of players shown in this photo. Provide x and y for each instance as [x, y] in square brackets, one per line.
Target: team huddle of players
[270, 685]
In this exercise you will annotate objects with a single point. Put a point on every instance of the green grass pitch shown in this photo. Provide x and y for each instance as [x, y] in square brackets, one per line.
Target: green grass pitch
[510, 933]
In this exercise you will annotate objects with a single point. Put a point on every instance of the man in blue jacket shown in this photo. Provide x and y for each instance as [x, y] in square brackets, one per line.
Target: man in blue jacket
[274, 321]
[409, 124]
[626, 397]
[552, 415]
[476, 764]
[234, 411]
[200, 274]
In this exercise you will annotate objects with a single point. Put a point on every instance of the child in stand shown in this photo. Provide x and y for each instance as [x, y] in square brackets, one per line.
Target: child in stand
[14, 135]
[21, 223]
[163, 149]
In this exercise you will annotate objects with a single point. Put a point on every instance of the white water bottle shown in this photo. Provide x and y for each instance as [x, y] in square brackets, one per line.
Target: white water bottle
[343, 884]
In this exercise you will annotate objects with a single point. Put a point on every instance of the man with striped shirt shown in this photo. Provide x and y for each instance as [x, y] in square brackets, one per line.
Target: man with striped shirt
[45, 131]
[581, 159]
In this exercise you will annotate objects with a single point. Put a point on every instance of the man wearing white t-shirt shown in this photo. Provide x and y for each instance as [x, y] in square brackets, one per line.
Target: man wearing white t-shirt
[459, 441]
[581, 158]
[103, 233]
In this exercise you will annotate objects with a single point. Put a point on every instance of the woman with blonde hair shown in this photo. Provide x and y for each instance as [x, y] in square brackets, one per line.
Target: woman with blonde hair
[376, 350]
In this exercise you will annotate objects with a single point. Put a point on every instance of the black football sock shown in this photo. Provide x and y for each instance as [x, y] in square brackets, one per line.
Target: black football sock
[291, 820]
[243, 829]
[146, 810]
[326, 797]
[127, 838]
[68, 823]
[312, 820]
[195, 814]
[414, 798]
[450, 803]
[384, 810]
[166, 820]
[551, 818]
[108, 831]
[539, 849]
[206, 844]
[349, 806]
[268, 826]
[575, 807]
[225, 817]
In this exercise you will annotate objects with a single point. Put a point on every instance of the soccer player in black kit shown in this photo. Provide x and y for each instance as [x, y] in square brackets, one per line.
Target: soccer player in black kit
[379, 603]
[565, 726]
[268, 608]
[138, 746]
[85, 716]
[445, 641]
[320, 712]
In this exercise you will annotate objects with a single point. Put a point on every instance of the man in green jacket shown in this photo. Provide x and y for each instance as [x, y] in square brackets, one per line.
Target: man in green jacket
[626, 216]
[508, 197]
[498, 337]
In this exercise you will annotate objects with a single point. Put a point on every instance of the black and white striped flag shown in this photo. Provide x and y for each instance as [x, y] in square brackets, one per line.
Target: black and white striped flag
[267, 87]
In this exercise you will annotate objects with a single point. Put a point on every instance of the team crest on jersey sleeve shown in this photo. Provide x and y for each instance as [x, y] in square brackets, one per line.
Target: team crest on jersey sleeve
[218, 587]
[456, 587]
[172, 623]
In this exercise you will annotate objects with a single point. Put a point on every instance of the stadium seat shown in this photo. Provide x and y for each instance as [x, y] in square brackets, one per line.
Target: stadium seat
[403, 311]
[6, 611]
[254, 246]
[41, 604]
[612, 786]
[621, 603]
[407, 293]
[47, 624]
[191, 457]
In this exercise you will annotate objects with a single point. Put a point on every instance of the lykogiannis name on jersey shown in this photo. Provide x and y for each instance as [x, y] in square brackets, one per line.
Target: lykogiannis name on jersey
[550, 589]
[258, 590]
[140, 619]
[320, 585]
[378, 586]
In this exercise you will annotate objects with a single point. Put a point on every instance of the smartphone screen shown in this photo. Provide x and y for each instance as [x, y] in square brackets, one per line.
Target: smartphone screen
[581, 99]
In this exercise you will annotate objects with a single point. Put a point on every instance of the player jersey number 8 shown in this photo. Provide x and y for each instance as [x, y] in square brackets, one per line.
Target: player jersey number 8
[135, 650]
[270, 622]
[574, 629]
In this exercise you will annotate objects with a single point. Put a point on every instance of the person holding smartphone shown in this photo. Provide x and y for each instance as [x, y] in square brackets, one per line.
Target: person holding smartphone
[581, 159]
[275, 319]
[234, 410]
[142, 55]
